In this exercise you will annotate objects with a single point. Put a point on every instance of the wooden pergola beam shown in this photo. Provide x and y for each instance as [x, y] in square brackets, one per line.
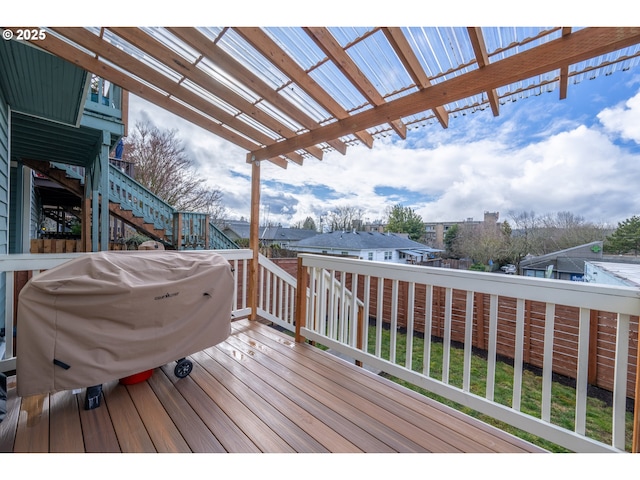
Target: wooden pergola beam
[482, 58]
[573, 48]
[213, 53]
[158, 51]
[564, 71]
[279, 58]
[92, 64]
[128, 82]
[341, 59]
[408, 58]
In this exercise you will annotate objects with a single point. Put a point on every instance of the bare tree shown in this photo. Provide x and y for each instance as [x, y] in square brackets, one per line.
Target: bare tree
[345, 218]
[162, 166]
[548, 233]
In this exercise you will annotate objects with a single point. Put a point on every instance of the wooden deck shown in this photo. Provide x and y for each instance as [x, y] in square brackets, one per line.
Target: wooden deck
[257, 392]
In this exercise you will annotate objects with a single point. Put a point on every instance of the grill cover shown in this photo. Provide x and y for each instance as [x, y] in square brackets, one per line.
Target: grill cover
[109, 315]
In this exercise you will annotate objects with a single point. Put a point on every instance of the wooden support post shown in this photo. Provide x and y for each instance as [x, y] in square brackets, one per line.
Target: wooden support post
[301, 300]
[254, 240]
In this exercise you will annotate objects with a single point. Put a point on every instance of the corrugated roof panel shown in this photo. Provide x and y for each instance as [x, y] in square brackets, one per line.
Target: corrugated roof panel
[206, 95]
[348, 35]
[280, 117]
[141, 56]
[227, 81]
[299, 98]
[379, 63]
[502, 42]
[247, 56]
[440, 49]
[173, 43]
[298, 46]
[335, 84]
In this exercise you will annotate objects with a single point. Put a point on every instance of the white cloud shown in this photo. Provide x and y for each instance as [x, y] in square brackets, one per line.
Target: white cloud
[528, 159]
[623, 119]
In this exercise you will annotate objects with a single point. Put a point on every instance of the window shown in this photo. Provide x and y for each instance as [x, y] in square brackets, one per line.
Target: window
[388, 255]
[370, 255]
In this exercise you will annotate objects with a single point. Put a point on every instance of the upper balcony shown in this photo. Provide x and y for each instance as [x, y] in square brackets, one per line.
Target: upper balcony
[264, 390]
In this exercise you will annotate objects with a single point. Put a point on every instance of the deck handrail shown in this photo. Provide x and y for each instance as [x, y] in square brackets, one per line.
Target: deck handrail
[135, 197]
[319, 324]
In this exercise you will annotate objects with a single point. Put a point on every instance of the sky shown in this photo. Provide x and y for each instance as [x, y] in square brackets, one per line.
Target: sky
[541, 155]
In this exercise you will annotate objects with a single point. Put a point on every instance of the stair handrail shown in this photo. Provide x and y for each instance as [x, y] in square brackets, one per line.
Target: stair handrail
[133, 196]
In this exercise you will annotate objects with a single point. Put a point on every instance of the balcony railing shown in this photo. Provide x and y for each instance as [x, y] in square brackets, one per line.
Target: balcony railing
[332, 298]
[467, 309]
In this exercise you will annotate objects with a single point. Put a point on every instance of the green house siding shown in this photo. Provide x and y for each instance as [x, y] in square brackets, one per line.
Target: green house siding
[4, 195]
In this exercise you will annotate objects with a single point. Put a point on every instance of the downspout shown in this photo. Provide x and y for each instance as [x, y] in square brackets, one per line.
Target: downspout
[254, 239]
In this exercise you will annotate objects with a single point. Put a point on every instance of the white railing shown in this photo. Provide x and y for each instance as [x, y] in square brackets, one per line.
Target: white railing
[378, 290]
[276, 294]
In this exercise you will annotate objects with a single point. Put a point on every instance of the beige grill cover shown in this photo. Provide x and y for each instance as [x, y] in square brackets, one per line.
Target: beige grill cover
[109, 315]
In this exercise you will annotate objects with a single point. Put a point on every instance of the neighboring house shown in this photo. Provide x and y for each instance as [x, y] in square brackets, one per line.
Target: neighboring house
[436, 231]
[382, 247]
[269, 236]
[568, 264]
[236, 229]
[612, 273]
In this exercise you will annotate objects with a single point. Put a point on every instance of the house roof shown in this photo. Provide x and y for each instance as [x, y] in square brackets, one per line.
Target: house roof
[354, 240]
[627, 272]
[570, 260]
[271, 233]
[288, 94]
[591, 250]
[283, 234]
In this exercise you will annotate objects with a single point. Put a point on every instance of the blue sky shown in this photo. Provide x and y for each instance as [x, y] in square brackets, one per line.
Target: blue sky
[540, 154]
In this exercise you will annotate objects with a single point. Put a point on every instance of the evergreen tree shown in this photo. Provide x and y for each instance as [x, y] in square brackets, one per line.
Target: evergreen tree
[405, 220]
[626, 238]
[451, 241]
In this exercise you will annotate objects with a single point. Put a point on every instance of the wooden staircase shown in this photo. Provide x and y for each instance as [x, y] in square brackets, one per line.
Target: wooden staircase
[141, 210]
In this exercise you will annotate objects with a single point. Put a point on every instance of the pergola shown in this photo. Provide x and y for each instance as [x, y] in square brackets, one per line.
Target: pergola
[288, 95]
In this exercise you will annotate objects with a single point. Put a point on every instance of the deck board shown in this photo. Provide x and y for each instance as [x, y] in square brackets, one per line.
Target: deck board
[258, 391]
[64, 424]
